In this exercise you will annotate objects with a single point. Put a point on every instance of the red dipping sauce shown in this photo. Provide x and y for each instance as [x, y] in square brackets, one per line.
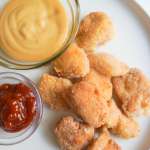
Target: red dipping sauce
[17, 107]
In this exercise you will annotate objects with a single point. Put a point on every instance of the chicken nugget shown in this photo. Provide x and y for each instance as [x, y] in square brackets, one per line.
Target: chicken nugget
[102, 82]
[85, 100]
[96, 28]
[133, 92]
[107, 65]
[73, 63]
[120, 124]
[73, 135]
[126, 127]
[114, 114]
[52, 90]
[104, 142]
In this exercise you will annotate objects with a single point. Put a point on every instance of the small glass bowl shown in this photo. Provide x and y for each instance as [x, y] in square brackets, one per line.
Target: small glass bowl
[7, 138]
[72, 8]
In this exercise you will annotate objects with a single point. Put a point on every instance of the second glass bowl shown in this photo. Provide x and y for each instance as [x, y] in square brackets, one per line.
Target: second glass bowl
[7, 138]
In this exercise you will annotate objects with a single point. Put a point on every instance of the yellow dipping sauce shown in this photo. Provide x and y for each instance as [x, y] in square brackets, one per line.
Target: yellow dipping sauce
[32, 30]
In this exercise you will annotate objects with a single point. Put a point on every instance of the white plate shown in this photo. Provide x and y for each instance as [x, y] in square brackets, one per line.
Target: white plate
[132, 45]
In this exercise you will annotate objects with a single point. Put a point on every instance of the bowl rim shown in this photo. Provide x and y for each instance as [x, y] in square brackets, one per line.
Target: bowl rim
[76, 19]
[38, 117]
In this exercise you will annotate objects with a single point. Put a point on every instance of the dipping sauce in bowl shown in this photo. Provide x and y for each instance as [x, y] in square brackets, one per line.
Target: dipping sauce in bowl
[32, 30]
[20, 108]
[17, 106]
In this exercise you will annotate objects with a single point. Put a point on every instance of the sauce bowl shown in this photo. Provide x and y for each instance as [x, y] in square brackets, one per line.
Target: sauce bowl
[8, 138]
[72, 9]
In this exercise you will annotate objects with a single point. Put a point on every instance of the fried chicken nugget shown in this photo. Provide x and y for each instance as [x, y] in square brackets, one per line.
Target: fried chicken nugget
[107, 65]
[114, 114]
[102, 83]
[73, 63]
[73, 135]
[96, 28]
[85, 100]
[120, 124]
[52, 90]
[133, 92]
[104, 142]
[126, 128]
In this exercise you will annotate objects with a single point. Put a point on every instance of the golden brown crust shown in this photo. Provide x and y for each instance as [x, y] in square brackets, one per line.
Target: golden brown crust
[104, 142]
[112, 146]
[95, 28]
[114, 114]
[126, 128]
[133, 92]
[85, 100]
[72, 64]
[107, 65]
[102, 82]
[52, 90]
[72, 135]
[120, 124]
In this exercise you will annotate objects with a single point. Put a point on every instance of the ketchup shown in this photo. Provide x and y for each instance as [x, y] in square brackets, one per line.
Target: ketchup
[17, 106]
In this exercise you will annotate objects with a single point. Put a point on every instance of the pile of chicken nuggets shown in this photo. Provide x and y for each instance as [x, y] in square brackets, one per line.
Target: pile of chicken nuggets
[104, 93]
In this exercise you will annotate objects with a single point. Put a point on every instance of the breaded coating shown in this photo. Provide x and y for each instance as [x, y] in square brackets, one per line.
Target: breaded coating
[102, 82]
[73, 135]
[96, 28]
[73, 63]
[52, 90]
[104, 142]
[120, 124]
[85, 100]
[114, 114]
[126, 127]
[112, 145]
[107, 65]
[133, 92]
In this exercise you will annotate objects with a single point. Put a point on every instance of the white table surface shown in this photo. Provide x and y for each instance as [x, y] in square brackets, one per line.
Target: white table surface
[32, 142]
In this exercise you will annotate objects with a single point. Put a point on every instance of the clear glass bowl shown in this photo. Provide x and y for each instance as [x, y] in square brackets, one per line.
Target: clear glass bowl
[73, 12]
[7, 138]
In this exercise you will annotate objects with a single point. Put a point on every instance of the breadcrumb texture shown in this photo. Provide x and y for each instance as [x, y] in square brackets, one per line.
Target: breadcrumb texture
[114, 114]
[126, 128]
[133, 92]
[120, 124]
[73, 135]
[102, 82]
[73, 63]
[85, 100]
[107, 64]
[104, 142]
[53, 91]
[96, 28]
